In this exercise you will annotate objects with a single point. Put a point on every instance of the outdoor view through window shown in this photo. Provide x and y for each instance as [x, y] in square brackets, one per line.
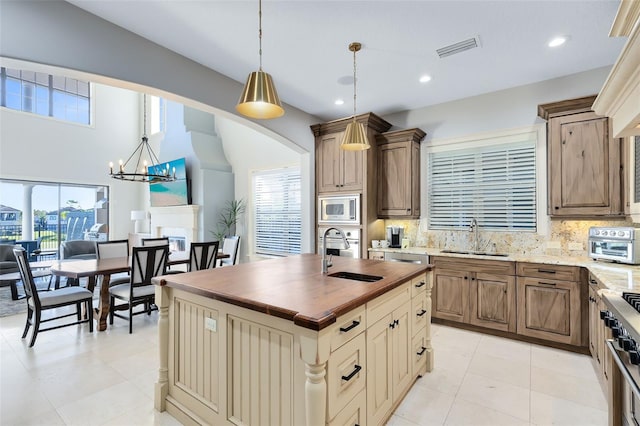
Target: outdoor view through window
[57, 212]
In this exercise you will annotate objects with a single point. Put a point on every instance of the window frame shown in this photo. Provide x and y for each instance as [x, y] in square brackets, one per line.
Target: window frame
[51, 91]
[537, 132]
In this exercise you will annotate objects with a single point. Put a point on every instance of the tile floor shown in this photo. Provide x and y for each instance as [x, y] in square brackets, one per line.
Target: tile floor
[72, 377]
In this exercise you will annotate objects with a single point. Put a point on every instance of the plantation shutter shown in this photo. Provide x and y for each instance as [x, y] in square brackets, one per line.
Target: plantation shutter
[278, 221]
[496, 185]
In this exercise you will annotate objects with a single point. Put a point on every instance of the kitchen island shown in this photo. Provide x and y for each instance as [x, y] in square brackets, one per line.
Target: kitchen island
[278, 342]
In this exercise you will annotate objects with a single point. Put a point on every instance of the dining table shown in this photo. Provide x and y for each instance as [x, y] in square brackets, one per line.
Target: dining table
[93, 268]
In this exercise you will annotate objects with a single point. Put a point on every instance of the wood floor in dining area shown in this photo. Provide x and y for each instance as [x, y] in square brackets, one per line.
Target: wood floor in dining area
[73, 377]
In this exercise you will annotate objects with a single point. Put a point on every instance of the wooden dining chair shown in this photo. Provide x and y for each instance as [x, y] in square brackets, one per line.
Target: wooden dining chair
[160, 241]
[230, 246]
[146, 263]
[203, 255]
[39, 302]
[112, 249]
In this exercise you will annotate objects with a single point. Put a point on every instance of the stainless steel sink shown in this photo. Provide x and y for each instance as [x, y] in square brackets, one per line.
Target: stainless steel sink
[475, 253]
[356, 276]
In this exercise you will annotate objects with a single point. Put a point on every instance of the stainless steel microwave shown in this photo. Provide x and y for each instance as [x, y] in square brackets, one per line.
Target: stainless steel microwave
[617, 244]
[339, 209]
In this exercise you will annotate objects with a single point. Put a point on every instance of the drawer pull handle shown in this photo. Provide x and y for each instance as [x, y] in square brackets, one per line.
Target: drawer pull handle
[547, 271]
[353, 325]
[543, 283]
[421, 313]
[353, 373]
[420, 284]
[421, 351]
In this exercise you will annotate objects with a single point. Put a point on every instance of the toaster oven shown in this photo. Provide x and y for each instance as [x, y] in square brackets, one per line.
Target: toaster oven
[616, 244]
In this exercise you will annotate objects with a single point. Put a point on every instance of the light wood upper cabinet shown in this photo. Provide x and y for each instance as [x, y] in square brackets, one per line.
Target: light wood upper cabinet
[338, 170]
[399, 173]
[584, 163]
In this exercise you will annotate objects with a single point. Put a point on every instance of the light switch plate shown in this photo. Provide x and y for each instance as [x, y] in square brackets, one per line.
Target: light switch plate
[575, 246]
[211, 324]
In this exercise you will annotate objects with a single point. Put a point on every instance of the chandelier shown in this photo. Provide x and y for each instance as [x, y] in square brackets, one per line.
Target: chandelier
[147, 167]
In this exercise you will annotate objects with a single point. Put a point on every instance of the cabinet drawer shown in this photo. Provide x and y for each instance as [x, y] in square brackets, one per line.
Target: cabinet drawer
[498, 267]
[554, 272]
[346, 374]
[418, 313]
[419, 284]
[383, 305]
[347, 327]
[354, 413]
[419, 353]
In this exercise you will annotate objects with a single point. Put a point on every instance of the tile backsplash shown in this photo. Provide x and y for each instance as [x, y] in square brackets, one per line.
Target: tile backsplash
[565, 237]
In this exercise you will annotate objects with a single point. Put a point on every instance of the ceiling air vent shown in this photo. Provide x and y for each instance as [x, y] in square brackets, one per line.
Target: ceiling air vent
[461, 46]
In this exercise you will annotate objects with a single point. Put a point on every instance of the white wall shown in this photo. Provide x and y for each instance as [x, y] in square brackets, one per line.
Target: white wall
[504, 109]
[40, 148]
[248, 150]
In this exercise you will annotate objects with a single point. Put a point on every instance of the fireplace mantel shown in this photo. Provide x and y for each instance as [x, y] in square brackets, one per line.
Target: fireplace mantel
[175, 220]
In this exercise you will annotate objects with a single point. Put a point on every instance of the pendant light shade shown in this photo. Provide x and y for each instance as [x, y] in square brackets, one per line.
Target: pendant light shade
[355, 136]
[259, 98]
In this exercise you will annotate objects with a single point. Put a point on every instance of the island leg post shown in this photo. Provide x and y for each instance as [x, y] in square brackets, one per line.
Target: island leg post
[428, 327]
[314, 351]
[162, 386]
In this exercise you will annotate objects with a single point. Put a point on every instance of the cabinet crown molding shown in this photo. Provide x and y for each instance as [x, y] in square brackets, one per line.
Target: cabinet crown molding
[370, 120]
[567, 106]
[415, 135]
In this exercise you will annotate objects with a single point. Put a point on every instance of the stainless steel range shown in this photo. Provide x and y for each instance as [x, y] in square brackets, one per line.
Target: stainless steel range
[622, 316]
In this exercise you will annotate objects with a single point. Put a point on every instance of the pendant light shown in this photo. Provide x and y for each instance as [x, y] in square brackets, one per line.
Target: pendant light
[355, 136]
[259, 98]
[144, 171]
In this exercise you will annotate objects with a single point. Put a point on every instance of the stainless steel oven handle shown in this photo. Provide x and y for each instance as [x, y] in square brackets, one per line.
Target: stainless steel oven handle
[623, 368]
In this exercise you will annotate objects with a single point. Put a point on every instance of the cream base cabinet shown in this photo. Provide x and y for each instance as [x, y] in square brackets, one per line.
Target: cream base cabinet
[218, 361]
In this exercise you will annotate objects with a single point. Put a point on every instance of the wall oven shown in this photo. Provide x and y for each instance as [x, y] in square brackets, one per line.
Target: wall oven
[335, 246]
[339, 209]
[617, 244]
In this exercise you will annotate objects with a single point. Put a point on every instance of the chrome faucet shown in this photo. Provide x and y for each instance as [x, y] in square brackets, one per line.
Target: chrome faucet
[474, 229]
[326, 263]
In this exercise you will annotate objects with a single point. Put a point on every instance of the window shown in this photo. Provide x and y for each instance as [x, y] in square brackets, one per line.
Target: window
[492, 180]
[158, 115]
[58, 211]
[43, 94]
[277, 217]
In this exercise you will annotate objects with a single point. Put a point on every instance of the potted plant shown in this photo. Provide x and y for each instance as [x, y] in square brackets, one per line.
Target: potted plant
[229, 216]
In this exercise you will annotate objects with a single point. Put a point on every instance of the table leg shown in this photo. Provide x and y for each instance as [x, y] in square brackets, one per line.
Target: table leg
[102, 312]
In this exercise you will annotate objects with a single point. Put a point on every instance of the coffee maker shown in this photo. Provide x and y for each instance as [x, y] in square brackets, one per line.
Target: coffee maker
[395, 235]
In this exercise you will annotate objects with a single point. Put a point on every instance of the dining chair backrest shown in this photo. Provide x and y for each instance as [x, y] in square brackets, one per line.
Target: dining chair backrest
[148, 262]
[111, 249]
[146, 242]
[203, 255]
[26, 276]
[230, 247]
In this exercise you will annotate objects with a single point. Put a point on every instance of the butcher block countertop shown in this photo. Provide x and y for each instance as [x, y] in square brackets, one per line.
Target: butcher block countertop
[293, 287]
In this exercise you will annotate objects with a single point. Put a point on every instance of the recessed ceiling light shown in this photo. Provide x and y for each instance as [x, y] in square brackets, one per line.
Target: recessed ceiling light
[425, 78]
[558, 41]
[339, 102]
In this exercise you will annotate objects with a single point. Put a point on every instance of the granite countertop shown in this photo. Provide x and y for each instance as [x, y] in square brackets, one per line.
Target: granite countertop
[615, 277]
